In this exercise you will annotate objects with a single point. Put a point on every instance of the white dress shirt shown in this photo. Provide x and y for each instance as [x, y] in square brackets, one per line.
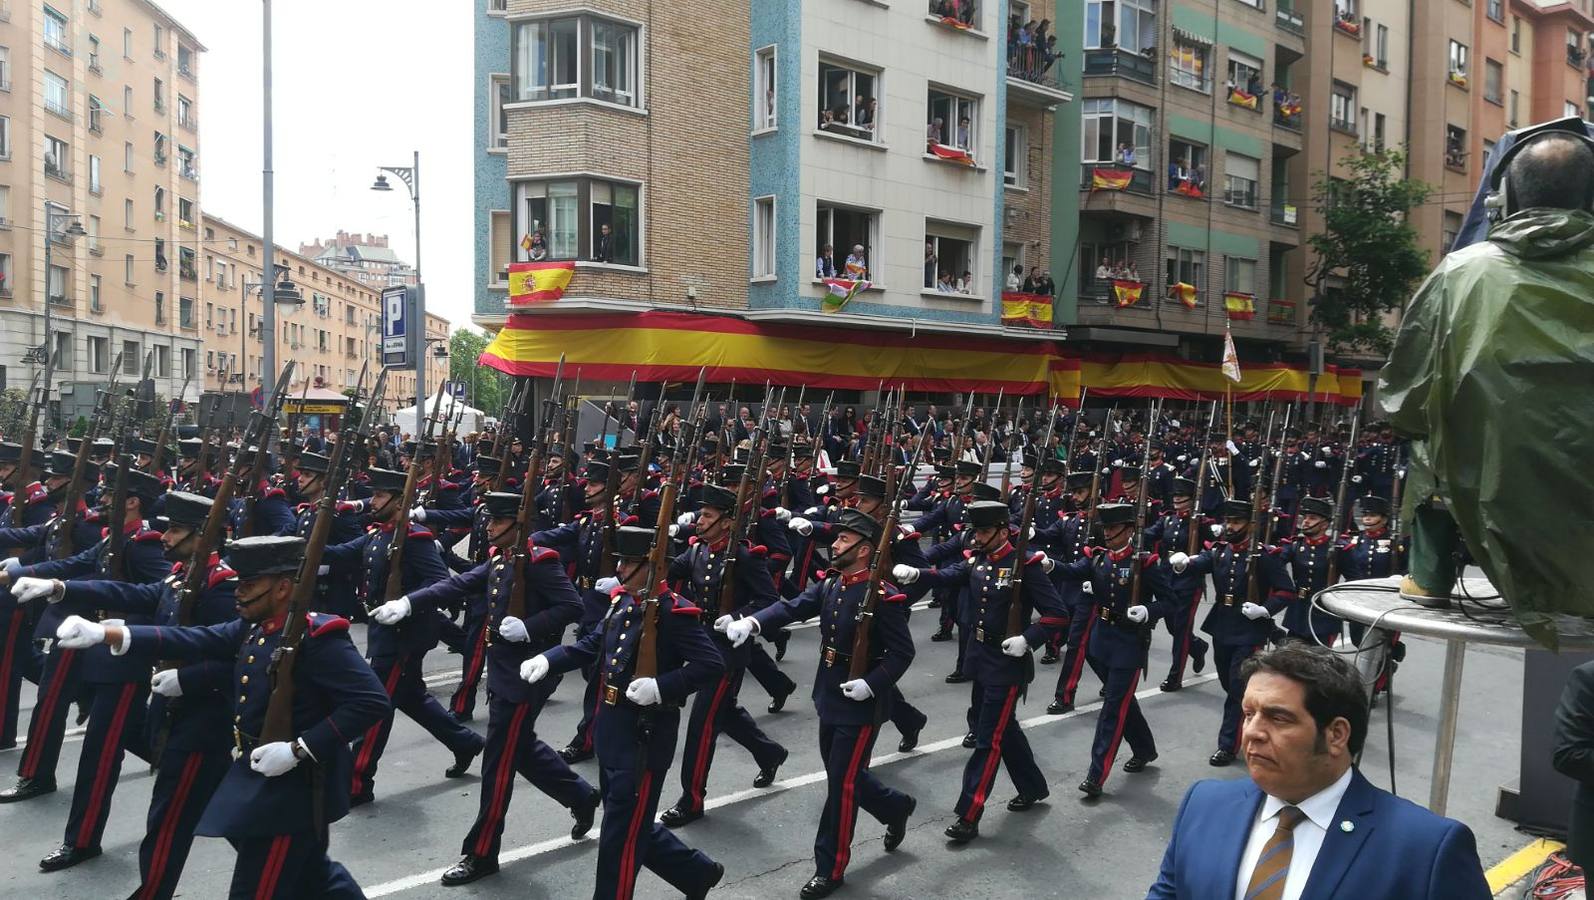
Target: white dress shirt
[1319, 809]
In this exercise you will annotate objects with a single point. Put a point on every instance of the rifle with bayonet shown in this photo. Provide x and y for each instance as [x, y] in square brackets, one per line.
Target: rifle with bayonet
[1087, 527]
[1017, 612]
[64, 527]
[1339, 501]
[1259, 514]
[159, 457]
[658, 565]
[985, 458]
[115, 556]
[880, 564]
[1136, 558]
[1015, 446]
[1278, 472]
[24, 474]
[1193, 538]
[519, 548]
[394, 587]
[748, 491]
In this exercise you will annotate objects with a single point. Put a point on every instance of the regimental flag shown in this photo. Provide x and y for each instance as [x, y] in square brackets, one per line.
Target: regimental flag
[1110, 179]
[1240, 306]
[840, 291]
[1189, 188]
[1241, 98]
[954, 23]
[1126, 293]
[1034, 310]
[1231, 359]
[1185, 292]
[952, 154]
[539, 282]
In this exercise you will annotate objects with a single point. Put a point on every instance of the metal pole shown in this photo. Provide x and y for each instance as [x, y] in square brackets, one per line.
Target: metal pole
[420, 306]
[49, 226]
[268, 291]
[1449, 709]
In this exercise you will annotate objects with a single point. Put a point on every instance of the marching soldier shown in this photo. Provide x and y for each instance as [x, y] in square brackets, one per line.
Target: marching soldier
[17, 659]
[638, 720]
[513, 705]
[276, 798]
[397, 644]
[1068, 538]
[335, 593]
[998, 663]
[1371, 552]
[849, 708]
[1308, 557]
[1169, 534]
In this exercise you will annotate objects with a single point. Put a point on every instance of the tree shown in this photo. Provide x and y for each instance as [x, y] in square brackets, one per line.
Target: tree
[484, 386]
[1367, 259]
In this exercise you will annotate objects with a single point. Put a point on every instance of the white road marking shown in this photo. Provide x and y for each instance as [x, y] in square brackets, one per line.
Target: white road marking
[422, 879]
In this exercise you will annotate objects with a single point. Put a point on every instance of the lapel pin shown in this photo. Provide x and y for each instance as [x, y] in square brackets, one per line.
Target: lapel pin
[1346, 826]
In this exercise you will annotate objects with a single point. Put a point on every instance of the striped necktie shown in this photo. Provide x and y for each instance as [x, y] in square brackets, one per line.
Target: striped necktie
[1273, 866]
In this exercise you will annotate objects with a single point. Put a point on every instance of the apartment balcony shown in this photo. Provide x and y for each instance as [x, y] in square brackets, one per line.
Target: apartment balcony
[1118, 62]
[1281, 312]
[1033, 79]
[1107, 178]
[1286, 214]
[1290, 20]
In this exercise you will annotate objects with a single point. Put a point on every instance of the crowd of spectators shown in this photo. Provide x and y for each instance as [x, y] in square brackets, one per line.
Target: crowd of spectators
[1031, 49]
[856, 119]
[1116, 270]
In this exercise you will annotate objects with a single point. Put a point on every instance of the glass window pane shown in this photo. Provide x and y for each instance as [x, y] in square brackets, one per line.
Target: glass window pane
[563, 220]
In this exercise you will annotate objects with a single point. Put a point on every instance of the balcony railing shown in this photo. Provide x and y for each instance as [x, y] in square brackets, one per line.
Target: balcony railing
[1121, 62]
[1281, 312]
[1285, 214]
[56, 108]
[1345, 126]
[1034, 65]
[1290, 20]
[1287, 114]
[1139, 179]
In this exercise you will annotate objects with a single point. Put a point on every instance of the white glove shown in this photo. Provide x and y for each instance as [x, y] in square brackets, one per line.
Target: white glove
[27, 588]
[644, 692]
[78, 633]
[606, 585]
[1118, 462]
[1086, 587]
[685, 520]
[675, 530]
[740, 630]
[857, 689]
[1253, 610]
[1327, 450]
[1217, 530]
[1355, 479]
[782, 514]
[534, 670]
[822, 490]
[904, 574]
[1015, 646]
[166, 683]
[512, 629]
[1047, 564]
[1182, 457]
[1137, 613]
[801, 525]
[273, 759]
[392, 612]
[1229, 445]
[1179, 562]
[723, 622]
[418, 514]
[8, 562]
[1255, 462]
[1320, 464]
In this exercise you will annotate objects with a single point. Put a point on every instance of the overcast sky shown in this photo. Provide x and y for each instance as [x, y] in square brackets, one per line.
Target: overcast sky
[357, 84]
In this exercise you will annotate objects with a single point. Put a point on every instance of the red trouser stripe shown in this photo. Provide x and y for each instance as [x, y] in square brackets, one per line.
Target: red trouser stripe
[8, 660]
[983, 788]
[705, 740]
[597, 704]
[849, 804]
[44, 713]
[1189, 628]
[628, 864]
[501, 781]
[273, 868]
[1118, 732]
[168, 826]
[1072, 684]
[473, 671]
[108, 759]
[368, 743]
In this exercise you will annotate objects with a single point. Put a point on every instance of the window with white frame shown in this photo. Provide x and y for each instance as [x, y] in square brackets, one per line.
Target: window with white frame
[954, 251]
[852, 234]
[1241, 174]
[99, 354]
[1239, 275]
[127, 213]
[94, 294]
[1458, 59]
[94, 234]
[1187, 267]
[498, 121]
[575, 56]
[1113, 126]
[94, 174]
[5, 204]
[502, 249]
[1381, 46]
[5, 68]
[578, 218]
[1245, 72]
[1493, 78]
[1015, 156]
[764, 237]
[127, 270]
[57, 94]
[57, 283]
[1571, 109]
[1189, 60]
[55, 31]
[953, 120]
[5, 137]
[849, 100]
[5, 274]
[56, 155]
[1342, 107]
[1127, 24]
[764, 84]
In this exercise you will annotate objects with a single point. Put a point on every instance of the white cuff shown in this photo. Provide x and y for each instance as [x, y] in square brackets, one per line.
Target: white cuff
[306, 748]
[127, 641]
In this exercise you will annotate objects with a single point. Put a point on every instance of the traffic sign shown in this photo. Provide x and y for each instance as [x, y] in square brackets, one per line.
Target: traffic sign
[398, 338]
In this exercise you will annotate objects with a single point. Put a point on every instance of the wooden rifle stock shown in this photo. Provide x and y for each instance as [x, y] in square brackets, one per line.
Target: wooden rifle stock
[879, 564]
[394, 587]
[658, 565]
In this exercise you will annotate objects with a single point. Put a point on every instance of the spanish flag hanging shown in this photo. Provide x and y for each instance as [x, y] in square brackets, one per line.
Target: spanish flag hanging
[539, 282]
[951, 154]
[1126, 293]
[1186, 294]
[1034, 310]
[1240, 306]
[1110, 179]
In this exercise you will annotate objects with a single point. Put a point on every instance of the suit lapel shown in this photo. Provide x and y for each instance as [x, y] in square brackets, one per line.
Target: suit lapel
[1231, 841]
[1340, 846]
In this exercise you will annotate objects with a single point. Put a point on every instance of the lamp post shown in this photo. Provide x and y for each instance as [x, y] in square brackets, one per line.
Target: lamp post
[281, 291]
[73, 229]
[268, 299]
[411, 176]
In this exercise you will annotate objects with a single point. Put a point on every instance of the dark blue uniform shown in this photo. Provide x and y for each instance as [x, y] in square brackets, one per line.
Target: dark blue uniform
[636, 744]
[513, 705]
[580, 546]
[190, 732]
[1167, 535]
[277, 825]
[334, 592]
[1065, 541]
[17, 659]
[271, 514]
[471, 641]
[397, 651]
[1308, 561]
[848, 728]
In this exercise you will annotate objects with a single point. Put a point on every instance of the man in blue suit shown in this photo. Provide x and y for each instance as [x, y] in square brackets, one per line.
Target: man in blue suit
[1306, 825]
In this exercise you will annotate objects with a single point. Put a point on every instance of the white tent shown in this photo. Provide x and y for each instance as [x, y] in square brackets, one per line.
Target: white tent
[471, 418]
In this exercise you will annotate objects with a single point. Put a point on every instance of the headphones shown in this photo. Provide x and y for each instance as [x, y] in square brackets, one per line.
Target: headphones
[1498, 202]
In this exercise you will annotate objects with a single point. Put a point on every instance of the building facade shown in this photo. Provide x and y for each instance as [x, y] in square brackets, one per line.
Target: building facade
[99, 104]
[366, 258]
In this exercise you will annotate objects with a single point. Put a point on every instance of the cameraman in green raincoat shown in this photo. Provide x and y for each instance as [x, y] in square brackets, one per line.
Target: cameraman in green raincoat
[1492, 376]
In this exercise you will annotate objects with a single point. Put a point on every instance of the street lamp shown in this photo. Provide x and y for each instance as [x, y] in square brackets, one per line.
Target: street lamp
[74, 228]
[411, 176]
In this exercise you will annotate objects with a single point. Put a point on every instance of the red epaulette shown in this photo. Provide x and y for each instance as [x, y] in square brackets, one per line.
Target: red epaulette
[1276, 549]
[274, 494]
[628, 520]
[758, 550]
[906, 533]
[147, 536]
[303, 506]
[682, 608]
[447, 486]
[968, 554]
[1035, 557]
[542, 554]
[691, 541]
[649, 493]
[766, 513]
[220, 574]
[893, 598]
[1090, 552]
[323, 623]
[417, 531]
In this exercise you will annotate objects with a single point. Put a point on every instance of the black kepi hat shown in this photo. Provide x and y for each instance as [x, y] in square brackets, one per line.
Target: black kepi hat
[252, 557]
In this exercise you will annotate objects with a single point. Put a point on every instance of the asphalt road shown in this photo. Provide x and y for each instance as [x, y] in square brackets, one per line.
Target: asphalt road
[398, 846]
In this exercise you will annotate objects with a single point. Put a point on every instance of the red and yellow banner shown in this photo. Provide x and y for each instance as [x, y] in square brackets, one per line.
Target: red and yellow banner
[1034, 310]
[955, 23]
[1240, 306]
[952, 154]
[1185, 292]
[1126, 293]
[1189, 188]
[539, 282]
[1110, 179]
[1172, 378]
[671, 346]
[1241, 98]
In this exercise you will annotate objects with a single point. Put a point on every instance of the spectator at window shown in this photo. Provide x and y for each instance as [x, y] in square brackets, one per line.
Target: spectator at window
[1198, 178]
[929, 263]
[1176, 174]
[944, 284]
[857, 263]
[1029, 281]
[1043, 284]
[934, 131]
[841, 115]
[539, 247]
[825, 120]
[1103, 273]
[1126, 154]
[965, 283]
[1133, 273]
[825, 267]
[1015, 278]
[866, 113]
[603, 247]
[1109, 35]
[964, 130]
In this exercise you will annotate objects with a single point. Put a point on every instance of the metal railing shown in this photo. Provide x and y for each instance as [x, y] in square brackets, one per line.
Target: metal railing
[1284, 214]
[1120, 62]
[1030, 64]
[1290, 20]
[1139, 179]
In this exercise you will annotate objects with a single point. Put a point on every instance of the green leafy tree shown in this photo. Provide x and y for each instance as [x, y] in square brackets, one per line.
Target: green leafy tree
[1367, 260]
[484, 386]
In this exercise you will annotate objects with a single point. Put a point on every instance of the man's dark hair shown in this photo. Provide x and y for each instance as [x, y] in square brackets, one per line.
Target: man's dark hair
[1556, 172]
[1333, 687]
